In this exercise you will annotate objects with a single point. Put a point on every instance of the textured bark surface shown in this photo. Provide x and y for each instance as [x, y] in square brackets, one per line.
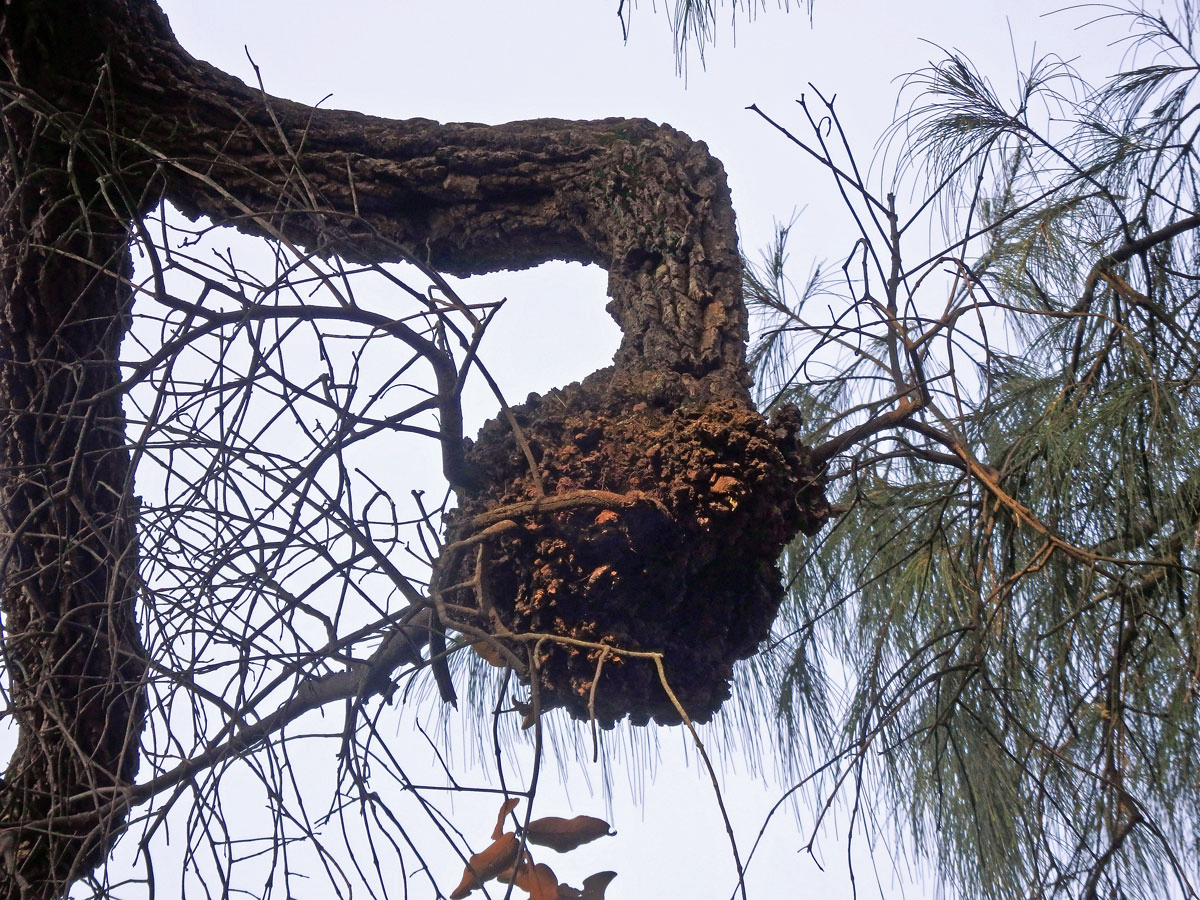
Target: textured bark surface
[106, 115]
[679, 560]
[68, 560]
[643, 200]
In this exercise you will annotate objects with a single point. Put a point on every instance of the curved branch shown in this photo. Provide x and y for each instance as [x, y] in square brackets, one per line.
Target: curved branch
[643, 200]
[122, 118]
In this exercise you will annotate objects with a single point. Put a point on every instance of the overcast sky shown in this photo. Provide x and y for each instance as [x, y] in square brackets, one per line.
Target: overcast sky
[490, 61]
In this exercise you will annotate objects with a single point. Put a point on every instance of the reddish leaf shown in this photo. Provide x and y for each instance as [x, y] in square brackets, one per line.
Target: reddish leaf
[566, 834]
[539, 881]
[505, 808]
[509, 875]
[528, 717]
[488, 863]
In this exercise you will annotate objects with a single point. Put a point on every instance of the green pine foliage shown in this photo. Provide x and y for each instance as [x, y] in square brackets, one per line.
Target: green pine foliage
[999, 635]
[698, 23]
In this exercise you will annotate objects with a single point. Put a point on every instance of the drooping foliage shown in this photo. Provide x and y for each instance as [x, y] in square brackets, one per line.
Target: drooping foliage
[1000, 636]
[698, 23]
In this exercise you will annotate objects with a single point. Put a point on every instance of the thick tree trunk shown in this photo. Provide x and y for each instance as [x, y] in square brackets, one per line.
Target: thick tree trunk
[68, 558]
[105, 115]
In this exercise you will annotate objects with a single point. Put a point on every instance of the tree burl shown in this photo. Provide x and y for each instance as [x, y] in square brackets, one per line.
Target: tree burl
[665, 507]
[649, 520]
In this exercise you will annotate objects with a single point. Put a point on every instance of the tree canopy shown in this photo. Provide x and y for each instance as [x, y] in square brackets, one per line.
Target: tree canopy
[1011, 582]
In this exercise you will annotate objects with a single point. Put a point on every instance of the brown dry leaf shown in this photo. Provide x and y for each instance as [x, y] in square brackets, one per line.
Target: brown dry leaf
[566, 834]
[528, 716]
[539, 881]
[487, 649]
[595, 885]
[488, 863]
[505, 808]
[509, 875]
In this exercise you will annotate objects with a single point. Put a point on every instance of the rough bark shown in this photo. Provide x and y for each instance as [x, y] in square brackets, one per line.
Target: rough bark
[654, 523]
[68, 558]
[642, 200]
[106, 115]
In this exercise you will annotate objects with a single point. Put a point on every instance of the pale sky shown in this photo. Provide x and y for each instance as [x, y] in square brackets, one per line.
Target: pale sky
[488, 61]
